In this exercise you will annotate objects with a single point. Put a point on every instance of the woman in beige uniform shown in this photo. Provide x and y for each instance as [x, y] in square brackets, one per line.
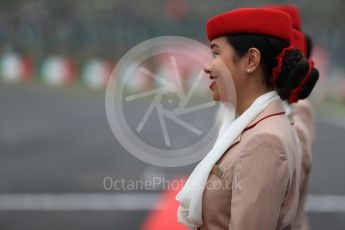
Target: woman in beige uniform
[302, 113]
[251, 177]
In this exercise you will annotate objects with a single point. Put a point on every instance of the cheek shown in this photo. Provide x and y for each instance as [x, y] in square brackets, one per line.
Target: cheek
[217, 66]
[226, 62]
[235, 71]
[224, 81]
[220, 68]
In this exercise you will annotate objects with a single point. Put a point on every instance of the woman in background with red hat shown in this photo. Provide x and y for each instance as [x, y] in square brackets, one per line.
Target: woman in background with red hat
[258, 154]
[303, 116]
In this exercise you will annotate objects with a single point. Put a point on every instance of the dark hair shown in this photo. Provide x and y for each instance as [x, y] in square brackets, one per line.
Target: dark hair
[294, 68]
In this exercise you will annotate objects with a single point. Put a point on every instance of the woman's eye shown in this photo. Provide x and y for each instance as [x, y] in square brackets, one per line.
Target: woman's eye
[214, 54]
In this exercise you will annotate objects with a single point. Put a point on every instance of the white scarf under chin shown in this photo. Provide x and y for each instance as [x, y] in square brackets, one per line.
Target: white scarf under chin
[190, 197]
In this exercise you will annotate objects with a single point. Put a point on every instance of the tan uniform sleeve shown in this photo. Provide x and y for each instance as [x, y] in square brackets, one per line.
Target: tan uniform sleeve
[304, 113]
[260, 181]
[305, 128]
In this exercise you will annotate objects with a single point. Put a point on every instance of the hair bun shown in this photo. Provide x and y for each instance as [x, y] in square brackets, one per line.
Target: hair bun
[297, 76]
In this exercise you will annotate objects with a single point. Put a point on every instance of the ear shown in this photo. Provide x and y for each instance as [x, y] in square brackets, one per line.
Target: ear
[253, 61]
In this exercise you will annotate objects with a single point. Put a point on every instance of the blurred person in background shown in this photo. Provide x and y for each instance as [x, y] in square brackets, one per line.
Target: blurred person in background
[303, 116]
[305, 126]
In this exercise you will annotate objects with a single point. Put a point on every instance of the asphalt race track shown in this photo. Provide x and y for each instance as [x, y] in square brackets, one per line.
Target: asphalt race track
[56, 143]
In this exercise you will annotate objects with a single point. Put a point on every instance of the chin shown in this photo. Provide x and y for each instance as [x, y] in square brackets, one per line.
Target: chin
[216, 97]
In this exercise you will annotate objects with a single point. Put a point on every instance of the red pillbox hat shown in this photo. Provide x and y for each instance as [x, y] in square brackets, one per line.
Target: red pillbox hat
[290, 10]
[299, 41]
[251, 20]
[298, 38]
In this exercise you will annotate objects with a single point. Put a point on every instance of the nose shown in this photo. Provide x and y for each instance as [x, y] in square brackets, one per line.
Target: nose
[207, 67]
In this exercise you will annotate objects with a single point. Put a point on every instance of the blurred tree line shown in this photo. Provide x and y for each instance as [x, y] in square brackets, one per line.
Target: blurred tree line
[108, 28]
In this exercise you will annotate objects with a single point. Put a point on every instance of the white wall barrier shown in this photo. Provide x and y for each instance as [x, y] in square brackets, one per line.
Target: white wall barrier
[15, 68]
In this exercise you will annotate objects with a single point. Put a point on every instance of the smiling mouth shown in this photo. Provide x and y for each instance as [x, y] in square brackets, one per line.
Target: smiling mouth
[213, 81]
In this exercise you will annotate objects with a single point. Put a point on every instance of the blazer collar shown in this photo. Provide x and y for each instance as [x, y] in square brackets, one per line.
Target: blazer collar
[273, 108]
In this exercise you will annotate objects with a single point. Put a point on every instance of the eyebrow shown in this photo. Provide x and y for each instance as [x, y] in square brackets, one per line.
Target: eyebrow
[213, 45]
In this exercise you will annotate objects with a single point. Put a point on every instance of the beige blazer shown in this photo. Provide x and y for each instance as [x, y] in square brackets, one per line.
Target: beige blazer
[255, 185]
[305, 128]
